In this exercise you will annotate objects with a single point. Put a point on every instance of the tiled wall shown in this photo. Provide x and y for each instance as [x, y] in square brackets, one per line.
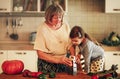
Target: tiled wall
[30, 24]
[88, 14]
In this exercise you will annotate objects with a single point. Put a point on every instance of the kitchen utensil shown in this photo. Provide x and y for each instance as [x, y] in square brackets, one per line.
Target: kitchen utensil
[32, 37]
[19, 22]
[7, 26]
[14, 35]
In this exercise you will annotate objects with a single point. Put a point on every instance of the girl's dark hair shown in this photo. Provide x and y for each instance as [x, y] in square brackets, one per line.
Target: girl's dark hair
[77, 31]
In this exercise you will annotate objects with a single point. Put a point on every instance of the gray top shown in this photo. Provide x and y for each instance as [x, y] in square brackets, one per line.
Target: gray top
[90, 51]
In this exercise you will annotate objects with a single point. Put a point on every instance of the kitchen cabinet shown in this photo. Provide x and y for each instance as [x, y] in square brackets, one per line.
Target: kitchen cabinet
[26, 5]
[5, 6]
[112, 6]
[3, 57]
[36, 5]
[30, 7]
[29, 58]
[45, 3]
[112, 57]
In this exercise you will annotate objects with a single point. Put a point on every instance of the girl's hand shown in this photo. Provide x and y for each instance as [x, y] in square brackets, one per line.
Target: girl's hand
[77, 59]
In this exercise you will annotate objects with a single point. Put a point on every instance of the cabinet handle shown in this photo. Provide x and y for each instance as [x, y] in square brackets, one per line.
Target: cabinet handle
[24, 53]
[20, 53]
[116, 9]
[1, 52]
[3, 9]
[116, 54]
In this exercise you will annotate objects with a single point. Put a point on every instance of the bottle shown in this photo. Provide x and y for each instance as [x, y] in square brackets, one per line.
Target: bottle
[74, 66]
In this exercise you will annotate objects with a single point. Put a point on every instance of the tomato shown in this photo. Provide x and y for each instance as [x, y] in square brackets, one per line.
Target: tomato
[34, 74]
[12, 66]
[94, 77]
[26, 72]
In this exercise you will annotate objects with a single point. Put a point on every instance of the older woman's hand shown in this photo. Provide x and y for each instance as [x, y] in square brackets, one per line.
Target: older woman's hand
[66, 61]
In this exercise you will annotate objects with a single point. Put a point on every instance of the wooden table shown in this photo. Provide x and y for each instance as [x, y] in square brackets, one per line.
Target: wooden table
[58, 76]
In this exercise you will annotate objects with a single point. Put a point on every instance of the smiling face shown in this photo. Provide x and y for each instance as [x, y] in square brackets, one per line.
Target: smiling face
[54, 16]
[76, 41]
[56, 20]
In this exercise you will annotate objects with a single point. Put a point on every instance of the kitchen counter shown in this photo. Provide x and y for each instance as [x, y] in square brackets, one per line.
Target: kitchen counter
[16, 46]
[111, 48]
[28, 46]
[58, 76]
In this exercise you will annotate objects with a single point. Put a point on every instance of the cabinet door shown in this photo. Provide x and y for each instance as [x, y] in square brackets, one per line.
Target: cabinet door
[45, 3]
[3, 57]
[5, 6]
[29, 58]
[36, 5]
[112, 6]
[26, 5]
[112, 57]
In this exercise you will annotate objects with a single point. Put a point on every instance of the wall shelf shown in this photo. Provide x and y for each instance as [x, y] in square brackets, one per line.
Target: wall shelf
[28, 8]
[22, 14]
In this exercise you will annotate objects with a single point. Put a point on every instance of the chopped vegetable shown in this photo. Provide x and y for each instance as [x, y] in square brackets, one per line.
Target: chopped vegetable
[42, 76]
[52, 74]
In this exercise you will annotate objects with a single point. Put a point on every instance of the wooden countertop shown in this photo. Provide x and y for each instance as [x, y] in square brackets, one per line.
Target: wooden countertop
[58, 76]
[28, 46]
[16, 46]
[111, 48]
